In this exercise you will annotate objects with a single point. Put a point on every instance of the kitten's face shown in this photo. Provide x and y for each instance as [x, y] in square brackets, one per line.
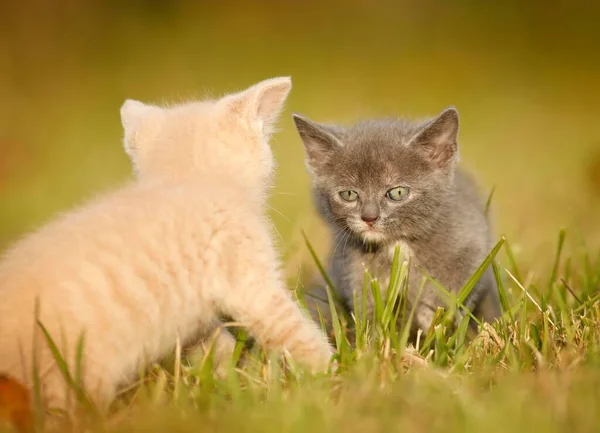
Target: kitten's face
[383, 180]
[226, 137]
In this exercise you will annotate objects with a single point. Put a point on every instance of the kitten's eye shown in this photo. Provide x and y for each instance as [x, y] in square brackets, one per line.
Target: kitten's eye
[398, 193]
[349, 195]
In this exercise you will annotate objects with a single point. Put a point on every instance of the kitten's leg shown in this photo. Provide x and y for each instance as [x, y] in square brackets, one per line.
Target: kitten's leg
[424, 315]
[321, 304]
[276, 321]
[318, 307]
[486, 306]
[223, 346]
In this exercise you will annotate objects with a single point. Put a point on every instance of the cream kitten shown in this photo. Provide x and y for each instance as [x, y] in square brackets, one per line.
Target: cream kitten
[163, 256]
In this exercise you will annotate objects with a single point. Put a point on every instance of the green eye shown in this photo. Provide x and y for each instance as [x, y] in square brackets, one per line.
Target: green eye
[349, 195]
[398, 193]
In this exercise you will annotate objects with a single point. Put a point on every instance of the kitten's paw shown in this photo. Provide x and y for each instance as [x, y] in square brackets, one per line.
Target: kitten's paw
[326, 363]
[334, 366]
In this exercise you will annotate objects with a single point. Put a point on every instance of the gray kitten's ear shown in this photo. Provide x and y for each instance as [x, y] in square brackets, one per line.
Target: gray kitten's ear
[320, 141]
[438, 140]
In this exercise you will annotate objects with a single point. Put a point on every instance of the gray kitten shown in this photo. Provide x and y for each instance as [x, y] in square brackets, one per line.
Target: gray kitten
[384, 182]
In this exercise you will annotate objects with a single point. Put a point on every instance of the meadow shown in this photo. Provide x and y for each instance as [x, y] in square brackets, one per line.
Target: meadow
[524, 77]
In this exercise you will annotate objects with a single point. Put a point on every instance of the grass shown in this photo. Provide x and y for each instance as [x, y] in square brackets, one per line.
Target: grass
[536, 368]
[525, 111]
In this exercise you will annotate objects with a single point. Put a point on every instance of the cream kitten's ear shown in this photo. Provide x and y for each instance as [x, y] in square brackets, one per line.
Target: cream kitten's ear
[438, 140]
[132, 115]
[263, 102]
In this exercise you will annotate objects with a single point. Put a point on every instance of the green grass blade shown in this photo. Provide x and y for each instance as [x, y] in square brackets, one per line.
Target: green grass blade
[322, 323]
[79, 361]
[64, 370]
[468, 287]
[451, 300]
[325, 276]
[359, 325]
[406, 331]
[241, 339]
[377, 301]
[505, 304]
[393, 297]
[38, 407]
[511, 260]
[365, 298]
[338, 333]
[554, 275]
[488, 202]
[394, 271]
[300, 297]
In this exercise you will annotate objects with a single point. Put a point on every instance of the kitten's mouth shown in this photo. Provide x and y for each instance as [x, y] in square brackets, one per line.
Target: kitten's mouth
[367, 234]
[372, 236]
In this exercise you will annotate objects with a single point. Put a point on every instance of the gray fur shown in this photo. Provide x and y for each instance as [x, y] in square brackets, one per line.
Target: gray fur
[441, 222]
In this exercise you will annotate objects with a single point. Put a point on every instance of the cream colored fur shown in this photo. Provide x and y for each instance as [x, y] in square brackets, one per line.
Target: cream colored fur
[163, 256]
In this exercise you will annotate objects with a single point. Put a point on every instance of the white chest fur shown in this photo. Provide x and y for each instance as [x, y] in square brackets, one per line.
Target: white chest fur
[405, 251]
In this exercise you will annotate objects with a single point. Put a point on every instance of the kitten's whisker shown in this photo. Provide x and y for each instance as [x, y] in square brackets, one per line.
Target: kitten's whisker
[279, 213]
[275, 226]
[284, 193]
[344, 248]
[338, 234]
[345, 238]
[278, 233]
[341, 238]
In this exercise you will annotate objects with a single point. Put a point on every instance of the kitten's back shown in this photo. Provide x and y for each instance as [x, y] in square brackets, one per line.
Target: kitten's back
[156, 261]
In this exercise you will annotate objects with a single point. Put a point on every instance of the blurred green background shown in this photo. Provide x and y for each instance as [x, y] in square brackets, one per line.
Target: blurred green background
[525, 76]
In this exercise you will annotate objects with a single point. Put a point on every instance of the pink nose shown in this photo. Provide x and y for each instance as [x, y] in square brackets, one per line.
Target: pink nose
[370, 220]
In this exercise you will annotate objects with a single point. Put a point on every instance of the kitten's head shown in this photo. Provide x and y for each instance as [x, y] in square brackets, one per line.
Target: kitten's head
[227, 137]
[383, 180]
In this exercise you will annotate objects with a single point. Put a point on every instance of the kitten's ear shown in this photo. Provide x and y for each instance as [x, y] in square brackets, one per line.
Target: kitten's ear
[133, 114]
[263, 102]
[438, 140]
[320, 141]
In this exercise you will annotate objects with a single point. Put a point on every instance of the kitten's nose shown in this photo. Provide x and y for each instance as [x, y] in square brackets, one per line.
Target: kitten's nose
[369, 219]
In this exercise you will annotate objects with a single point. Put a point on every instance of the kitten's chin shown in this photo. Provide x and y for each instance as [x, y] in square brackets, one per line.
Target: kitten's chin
[366, 234]
[372, 237]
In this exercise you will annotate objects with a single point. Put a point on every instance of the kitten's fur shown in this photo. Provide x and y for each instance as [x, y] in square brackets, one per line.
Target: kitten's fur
[441, 223]
[163, 256]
